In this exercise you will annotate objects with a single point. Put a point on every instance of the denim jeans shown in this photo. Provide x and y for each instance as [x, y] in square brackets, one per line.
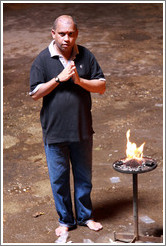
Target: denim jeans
[59, 157]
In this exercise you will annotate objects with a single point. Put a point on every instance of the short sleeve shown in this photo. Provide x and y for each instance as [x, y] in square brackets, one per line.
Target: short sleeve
[36, 75]
[96, 71]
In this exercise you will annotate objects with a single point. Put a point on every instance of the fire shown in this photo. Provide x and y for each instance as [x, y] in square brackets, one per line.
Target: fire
[132, 152]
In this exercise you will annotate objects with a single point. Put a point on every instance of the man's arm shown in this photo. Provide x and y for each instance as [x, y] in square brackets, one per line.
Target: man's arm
[46, 88]
[94, 85]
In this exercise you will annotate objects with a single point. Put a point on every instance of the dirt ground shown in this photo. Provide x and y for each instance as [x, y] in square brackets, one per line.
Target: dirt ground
[127, 39]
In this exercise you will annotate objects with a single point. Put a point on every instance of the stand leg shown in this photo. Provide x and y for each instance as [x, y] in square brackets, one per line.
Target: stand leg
[133, 238]
[135, 206]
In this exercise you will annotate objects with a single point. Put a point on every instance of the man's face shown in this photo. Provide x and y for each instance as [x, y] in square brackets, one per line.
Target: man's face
[65, 36]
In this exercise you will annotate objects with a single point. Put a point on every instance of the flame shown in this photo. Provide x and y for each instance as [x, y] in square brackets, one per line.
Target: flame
[132, 152]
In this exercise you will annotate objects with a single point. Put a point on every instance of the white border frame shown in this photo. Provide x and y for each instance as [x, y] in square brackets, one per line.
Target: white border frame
[98, 1]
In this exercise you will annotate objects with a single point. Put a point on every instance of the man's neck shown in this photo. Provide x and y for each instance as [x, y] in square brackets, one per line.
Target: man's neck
[66, 55]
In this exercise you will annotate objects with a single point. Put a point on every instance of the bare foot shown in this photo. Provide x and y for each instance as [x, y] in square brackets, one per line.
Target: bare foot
[96, 226]
[60, 230]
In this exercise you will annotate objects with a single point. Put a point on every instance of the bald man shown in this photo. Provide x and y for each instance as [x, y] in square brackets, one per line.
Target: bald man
[64, 75]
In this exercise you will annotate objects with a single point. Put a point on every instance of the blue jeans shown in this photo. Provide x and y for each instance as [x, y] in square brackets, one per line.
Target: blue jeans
[59, 157]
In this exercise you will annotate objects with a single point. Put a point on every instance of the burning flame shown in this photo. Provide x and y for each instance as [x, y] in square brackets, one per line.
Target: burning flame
[132, 152]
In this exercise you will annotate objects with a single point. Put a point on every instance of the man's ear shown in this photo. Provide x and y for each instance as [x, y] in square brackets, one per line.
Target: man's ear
[53, 33]
[76, 33]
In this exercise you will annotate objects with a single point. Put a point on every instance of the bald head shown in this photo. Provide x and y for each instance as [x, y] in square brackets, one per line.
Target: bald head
[64, 34]
[65, 19]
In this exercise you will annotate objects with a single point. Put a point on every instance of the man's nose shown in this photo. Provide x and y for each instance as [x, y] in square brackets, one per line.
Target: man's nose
[66, 37]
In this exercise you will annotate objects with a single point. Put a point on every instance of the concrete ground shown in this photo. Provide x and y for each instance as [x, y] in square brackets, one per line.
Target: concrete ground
[127, 40]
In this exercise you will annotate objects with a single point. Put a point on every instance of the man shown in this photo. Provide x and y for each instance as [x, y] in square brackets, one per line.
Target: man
[63, 75]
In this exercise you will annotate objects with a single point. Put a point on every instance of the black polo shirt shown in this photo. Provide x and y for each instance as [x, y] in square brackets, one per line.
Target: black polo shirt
[66, 112]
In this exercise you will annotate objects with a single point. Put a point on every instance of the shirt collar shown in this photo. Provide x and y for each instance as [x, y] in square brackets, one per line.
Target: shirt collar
[54, 52]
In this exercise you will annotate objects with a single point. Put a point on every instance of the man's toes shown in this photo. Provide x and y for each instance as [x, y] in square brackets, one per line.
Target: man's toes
[60, 230]
[96, 226]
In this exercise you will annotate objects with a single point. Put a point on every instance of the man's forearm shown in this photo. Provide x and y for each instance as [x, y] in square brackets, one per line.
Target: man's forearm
[95, 85]
[45, 89]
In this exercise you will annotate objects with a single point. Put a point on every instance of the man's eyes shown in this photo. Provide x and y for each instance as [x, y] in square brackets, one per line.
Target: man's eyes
[71, 34]
[62, 34]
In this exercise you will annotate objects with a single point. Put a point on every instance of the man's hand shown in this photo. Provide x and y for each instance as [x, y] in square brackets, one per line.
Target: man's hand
[95, 85]
[76, 77]
[68, 72]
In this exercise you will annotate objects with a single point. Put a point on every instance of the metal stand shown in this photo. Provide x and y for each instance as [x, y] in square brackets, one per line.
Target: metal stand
[130, 238]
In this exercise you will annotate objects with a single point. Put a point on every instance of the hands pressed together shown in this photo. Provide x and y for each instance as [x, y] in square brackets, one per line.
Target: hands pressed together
[69, 71]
